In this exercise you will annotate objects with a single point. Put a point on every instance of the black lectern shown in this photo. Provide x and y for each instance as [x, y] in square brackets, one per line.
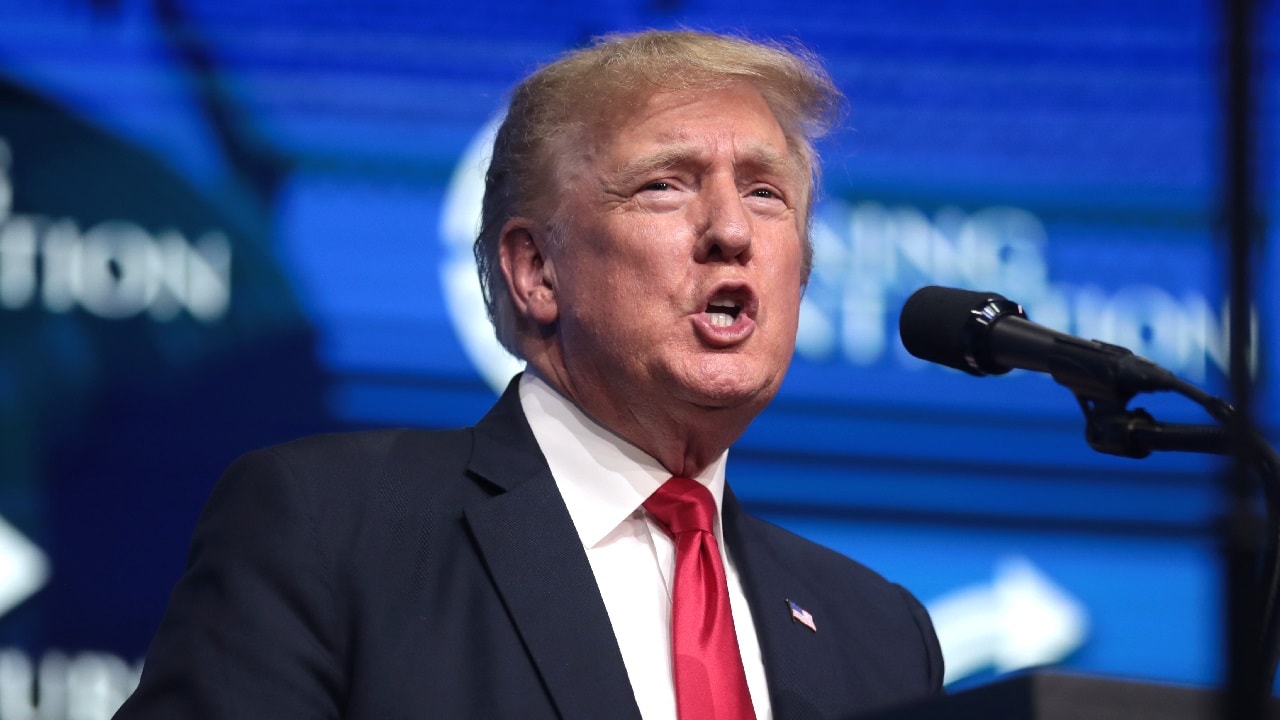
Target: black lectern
[1058, 696]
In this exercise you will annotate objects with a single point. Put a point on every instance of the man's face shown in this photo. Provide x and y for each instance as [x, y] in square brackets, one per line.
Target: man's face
[677, 256]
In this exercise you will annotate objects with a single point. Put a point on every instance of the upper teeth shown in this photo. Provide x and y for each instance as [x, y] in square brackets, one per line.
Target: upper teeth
[721, 312]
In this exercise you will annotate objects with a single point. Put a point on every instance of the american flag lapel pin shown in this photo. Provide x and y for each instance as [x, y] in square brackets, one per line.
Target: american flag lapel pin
[800, 615]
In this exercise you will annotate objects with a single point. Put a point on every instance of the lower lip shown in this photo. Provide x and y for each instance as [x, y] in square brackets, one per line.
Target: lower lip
[726, 336]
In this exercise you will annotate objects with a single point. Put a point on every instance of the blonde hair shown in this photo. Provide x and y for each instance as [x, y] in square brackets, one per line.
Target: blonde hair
[576, 90]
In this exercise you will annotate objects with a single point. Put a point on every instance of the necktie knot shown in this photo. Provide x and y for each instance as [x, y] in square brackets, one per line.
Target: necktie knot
[681, 505]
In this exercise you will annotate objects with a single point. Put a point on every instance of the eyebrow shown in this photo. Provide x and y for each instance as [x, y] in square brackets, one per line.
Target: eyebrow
[758, 157]
[770, 160]
[668, 156]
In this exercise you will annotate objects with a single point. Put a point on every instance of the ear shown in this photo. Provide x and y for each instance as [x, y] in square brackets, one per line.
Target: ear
[529, 273]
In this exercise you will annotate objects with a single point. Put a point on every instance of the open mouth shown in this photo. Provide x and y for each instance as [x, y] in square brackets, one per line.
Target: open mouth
[723, 313]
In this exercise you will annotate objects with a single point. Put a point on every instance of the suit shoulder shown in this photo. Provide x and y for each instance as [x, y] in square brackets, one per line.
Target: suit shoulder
[340, 472]
[364, 449]
[818, 560]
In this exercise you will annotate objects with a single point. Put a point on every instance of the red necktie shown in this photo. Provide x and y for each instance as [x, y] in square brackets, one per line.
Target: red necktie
[710, 681]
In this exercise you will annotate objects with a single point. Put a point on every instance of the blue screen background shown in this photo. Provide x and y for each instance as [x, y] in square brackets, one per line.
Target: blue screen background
[1065, 155]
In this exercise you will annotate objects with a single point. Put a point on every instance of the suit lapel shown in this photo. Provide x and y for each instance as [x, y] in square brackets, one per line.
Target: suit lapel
[538, 564]
[796, 662]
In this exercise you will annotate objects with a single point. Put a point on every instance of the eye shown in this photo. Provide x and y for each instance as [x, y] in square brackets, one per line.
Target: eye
[766, 198]
[766, 192]
[658, 185]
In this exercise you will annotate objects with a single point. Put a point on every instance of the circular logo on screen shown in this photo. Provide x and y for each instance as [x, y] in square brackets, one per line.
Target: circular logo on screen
[459, 223]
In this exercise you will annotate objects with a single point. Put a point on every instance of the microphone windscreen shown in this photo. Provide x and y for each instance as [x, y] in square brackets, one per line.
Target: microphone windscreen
[938, 324]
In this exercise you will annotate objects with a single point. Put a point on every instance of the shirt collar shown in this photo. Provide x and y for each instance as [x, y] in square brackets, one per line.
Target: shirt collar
[602, 478]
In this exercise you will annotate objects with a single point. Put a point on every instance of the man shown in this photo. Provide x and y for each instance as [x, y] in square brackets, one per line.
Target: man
[643, 249]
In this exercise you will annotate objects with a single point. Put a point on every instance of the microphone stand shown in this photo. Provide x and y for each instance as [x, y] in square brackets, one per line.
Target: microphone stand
[1241, 218]
[1112, 428]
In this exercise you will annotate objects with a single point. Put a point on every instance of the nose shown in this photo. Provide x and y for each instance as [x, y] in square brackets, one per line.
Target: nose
[726, 232]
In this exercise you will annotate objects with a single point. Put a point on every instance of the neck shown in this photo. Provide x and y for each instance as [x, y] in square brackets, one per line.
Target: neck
[683, 439]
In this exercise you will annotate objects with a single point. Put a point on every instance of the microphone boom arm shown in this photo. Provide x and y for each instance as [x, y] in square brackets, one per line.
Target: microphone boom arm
[1135, 434]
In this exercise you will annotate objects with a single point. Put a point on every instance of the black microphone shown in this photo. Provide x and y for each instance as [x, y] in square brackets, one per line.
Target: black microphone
[984, 333]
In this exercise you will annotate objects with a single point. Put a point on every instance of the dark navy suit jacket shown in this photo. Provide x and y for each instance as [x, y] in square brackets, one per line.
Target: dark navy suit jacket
[408, 574]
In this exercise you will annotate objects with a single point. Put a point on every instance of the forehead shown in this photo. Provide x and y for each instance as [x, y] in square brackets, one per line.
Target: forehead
[682, 124]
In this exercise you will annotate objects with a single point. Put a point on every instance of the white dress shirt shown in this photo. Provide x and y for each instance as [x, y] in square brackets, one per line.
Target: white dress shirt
[604, 481]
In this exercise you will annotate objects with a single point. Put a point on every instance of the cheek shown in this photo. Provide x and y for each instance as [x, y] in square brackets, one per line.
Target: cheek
[786, 290]
[647, 262]
[785, 269]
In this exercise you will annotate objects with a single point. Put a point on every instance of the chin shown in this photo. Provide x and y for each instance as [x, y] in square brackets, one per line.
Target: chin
[734, 389]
